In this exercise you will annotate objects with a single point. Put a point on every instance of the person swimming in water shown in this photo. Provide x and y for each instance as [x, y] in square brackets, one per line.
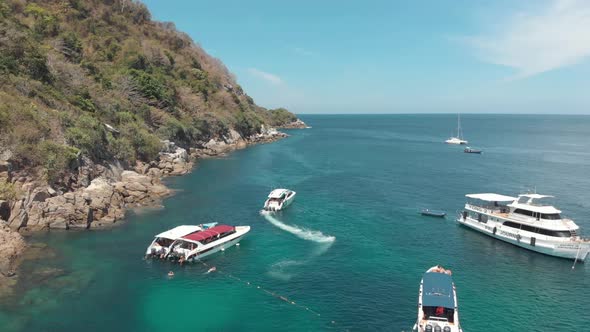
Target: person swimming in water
[213, 269]
[171, 274]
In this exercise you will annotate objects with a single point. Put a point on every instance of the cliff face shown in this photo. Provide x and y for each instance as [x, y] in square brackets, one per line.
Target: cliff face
[100, 79]
[98, 102]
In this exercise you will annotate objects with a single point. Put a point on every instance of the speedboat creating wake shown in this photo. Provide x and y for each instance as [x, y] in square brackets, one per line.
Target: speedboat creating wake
[279, 199]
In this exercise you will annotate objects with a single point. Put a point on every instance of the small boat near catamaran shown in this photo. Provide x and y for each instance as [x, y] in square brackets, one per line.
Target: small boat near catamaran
[526, 221]
[200, 244]
[279, 199]
[437, 302]
[472, 150]
[459, 138]
[433, 213]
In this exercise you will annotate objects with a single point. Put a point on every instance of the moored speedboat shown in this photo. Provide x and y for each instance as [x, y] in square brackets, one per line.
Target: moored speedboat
[160, 246]
[279, 199]
[203, 243]
[527, 222]
[437, 302]
[433, 213]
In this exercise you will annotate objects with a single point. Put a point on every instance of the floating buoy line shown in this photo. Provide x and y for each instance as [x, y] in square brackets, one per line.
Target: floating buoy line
[271, 293]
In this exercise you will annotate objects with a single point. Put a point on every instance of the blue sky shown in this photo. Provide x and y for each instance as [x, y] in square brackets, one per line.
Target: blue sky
[443, 56]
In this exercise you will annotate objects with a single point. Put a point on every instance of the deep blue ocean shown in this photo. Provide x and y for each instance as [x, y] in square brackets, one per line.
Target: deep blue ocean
[349, 253]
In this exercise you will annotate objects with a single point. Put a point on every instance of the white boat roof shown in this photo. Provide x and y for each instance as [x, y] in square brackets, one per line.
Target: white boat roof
[535, 196]
[490, 197]
[277, 193]
[179, 231]
[547, 209]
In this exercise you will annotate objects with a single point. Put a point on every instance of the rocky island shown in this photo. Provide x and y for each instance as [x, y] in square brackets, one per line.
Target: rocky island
[98, 103]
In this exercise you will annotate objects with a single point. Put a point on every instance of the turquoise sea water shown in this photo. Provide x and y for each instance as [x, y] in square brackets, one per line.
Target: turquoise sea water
[351, 248]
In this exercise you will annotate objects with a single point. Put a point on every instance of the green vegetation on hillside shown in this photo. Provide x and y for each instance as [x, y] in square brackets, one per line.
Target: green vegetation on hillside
[99, 78]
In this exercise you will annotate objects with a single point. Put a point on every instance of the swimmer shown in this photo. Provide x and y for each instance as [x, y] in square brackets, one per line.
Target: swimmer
[170, 274]
[213, 269]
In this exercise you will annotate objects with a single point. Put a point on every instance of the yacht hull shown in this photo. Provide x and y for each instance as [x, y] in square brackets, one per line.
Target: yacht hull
[570, 250]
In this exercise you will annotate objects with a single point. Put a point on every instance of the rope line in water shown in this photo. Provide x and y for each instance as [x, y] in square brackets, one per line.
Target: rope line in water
[273, 294]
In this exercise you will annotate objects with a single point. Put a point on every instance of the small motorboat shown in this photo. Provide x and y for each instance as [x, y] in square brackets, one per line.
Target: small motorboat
[197, 245]
[433, 213]
[471, 150]
[437, 302]
[279, 199]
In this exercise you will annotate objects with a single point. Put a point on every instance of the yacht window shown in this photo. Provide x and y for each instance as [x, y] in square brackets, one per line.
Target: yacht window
[523, 200]
[542, 231]
[551, 216]
[524, 212]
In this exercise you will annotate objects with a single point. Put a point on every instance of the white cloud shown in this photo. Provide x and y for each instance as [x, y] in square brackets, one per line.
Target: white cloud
[271, 78]
[556, 36]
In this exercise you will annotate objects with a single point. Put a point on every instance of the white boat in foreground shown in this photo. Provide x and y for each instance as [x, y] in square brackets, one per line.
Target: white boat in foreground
[201, 244]
[459, 138]
[527, 222]
[279, 199]
[160, 246]
[437, 303]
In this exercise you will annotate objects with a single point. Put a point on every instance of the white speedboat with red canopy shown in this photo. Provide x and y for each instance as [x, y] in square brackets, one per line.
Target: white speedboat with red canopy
[203, 243]
[437, 302]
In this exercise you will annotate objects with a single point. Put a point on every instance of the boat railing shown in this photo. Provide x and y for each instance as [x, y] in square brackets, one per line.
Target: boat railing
[489, 209]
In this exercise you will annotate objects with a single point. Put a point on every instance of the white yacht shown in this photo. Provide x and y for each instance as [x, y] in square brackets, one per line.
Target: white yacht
[160, 246]
[459, 138]
[527, 222]
[437, 302]
[203, 243]
[279, 199]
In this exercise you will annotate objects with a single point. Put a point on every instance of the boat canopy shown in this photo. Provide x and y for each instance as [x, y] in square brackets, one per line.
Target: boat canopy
[535, 196]
[438, 290]
[208, 233]
[490, 197]
[277, 193]
[179, 231]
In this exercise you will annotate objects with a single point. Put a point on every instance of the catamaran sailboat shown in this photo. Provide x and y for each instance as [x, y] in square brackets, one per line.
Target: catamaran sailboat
[437, 302]
[527, 222]
[459, 138]
[201, 244]
[279, 199]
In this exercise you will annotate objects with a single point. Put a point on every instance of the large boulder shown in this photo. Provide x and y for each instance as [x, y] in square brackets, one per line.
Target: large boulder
[12, 245]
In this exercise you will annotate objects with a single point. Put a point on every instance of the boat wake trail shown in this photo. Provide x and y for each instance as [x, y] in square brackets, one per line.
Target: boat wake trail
[302, 233]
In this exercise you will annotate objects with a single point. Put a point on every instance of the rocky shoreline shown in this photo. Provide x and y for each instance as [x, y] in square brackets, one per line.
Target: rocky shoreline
[100, 195]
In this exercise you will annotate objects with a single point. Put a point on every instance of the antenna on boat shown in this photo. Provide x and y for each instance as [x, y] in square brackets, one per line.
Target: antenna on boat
[576, 259]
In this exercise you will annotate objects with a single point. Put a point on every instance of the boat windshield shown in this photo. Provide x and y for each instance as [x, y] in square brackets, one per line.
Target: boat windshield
[164, 242]
[439, 313]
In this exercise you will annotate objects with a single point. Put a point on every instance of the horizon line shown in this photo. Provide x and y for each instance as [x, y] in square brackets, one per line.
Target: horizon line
[581, 114]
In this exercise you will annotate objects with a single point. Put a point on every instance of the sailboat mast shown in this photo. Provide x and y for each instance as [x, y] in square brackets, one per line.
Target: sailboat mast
[459, 133]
